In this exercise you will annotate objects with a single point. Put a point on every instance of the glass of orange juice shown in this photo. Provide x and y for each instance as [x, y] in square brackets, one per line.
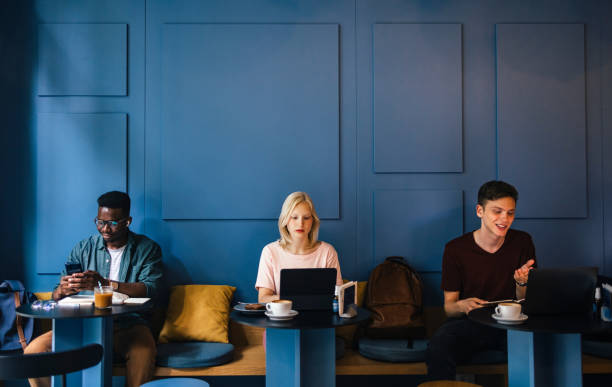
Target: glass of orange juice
[103, 297]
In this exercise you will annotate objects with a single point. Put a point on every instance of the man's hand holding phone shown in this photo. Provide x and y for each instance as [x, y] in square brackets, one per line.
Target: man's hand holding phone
[66, 287]
[86, 280]
[78, 280]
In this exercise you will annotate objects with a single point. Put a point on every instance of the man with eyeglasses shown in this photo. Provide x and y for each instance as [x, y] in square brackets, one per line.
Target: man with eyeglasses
[128, 262]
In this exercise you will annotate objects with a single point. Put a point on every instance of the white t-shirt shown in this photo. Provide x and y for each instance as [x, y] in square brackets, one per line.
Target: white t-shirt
[115, 262]
[274, 258]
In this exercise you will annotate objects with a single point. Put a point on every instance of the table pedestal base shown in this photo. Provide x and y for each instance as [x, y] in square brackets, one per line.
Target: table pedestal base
[300, 358]
[544, 359]
[75, 333]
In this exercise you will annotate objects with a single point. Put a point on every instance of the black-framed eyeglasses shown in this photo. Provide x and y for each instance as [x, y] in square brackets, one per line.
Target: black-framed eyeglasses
[110, 223]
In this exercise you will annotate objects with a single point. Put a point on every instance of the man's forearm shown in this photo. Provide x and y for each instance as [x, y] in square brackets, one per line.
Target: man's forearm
[57, 294]
[521, 291]
[132, 289]
[452, 309]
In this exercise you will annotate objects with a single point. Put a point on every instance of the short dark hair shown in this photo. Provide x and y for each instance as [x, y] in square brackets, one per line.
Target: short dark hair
[496, 189]
[115, 199]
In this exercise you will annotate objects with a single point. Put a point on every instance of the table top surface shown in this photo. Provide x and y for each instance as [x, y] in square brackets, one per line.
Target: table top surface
[69, 311]
[304, 320]
[548, 323]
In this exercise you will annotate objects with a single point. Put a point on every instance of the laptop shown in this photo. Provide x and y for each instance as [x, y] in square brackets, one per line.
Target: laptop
[560, 291]
[309, 289]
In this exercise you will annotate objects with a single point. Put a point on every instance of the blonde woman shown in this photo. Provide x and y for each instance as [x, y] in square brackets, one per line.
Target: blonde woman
[297, 248]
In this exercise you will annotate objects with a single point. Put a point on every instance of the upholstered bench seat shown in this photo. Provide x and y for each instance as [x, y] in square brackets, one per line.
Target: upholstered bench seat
[393, 350]
[597, 348]
[194, 354]
[403, 350]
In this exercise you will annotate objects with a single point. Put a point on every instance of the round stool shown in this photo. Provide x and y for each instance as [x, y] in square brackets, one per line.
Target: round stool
[448, 383]
[171, 382]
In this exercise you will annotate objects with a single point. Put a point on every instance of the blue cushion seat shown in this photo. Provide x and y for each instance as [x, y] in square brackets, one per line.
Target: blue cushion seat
[193, 354]
[405, 351]
[597, 348]
[393, 350]
[173, 382]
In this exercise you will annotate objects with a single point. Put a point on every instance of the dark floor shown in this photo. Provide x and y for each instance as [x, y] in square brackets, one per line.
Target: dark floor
[388, 381]
[355, 381]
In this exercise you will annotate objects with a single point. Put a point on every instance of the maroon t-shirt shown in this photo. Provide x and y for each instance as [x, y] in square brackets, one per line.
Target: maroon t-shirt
[473, 272]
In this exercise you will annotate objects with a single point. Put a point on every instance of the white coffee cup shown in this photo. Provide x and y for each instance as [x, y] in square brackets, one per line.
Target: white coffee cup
[279, 307]
[508, 310]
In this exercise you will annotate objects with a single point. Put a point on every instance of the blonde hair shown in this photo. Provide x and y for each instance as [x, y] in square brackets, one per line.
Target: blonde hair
[292, 201]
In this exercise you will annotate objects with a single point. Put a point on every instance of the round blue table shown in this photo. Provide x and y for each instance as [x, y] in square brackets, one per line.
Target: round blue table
[301, 352]
[75, 326]
[544, 350]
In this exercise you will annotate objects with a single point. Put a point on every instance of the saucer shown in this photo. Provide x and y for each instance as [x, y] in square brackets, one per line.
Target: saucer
[289, 316]
[510, 321]
[242, 309]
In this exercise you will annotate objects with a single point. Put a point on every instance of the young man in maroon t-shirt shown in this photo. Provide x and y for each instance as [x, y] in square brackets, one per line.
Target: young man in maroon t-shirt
[491, 263]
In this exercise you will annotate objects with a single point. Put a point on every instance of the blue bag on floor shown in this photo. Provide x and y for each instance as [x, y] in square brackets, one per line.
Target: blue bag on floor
[15, 331]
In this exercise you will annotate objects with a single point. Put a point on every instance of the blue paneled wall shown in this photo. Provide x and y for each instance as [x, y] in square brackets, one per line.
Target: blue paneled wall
[390, 113]
[541, 96]
[250, 122]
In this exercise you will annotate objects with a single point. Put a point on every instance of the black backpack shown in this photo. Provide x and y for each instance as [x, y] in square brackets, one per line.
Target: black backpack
[395, 298]
[15, 331]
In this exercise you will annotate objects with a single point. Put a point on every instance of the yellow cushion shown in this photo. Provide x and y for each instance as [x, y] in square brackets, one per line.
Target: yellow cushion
[197, 313]
[348, 332]
[44, 296]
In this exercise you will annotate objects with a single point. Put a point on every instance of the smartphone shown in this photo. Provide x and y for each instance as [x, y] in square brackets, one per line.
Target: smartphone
[72, 268]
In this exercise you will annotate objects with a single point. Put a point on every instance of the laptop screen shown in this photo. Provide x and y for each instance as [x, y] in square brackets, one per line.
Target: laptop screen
[560, 291]
[309, 289]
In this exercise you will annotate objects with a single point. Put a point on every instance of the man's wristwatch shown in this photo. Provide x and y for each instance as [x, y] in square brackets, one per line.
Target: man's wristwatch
[114, 285]
[520, 283]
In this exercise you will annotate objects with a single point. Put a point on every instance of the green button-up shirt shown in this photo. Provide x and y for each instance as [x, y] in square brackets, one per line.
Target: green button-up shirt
[141, 262]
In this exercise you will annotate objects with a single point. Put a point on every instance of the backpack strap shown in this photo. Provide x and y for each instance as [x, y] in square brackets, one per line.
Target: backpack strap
[19, 323]
[17, 287]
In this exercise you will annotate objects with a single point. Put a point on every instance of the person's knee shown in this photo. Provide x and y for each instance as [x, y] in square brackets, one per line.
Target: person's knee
[40, 344]
[143, 349]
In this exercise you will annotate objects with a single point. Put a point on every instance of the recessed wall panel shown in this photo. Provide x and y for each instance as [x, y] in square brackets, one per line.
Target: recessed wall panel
[71, 56]
[417, 98]
[416, 225]
[79, 157]
[250, 113]
[541, 121]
